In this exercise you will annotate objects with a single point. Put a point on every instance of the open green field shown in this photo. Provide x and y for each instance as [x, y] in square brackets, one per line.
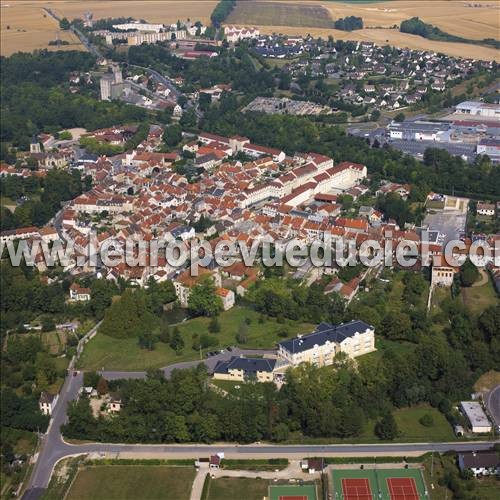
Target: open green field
[280, 14]
[377, 480]
[410, 427]
[479, 298]
[125, 354]
[487, 488]
[304, 491]
[132, 482]
[226, 488]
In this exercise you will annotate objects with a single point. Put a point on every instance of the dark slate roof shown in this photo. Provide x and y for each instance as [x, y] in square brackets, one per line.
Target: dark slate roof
[480, 459]
[179, 230]
[325, 332]
[47, 398]
[248, 365]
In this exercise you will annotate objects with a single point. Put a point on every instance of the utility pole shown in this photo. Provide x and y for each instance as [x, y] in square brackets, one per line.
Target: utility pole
[432, 464]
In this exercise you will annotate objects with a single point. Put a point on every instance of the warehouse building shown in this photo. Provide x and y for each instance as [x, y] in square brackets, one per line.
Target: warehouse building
[478, 421]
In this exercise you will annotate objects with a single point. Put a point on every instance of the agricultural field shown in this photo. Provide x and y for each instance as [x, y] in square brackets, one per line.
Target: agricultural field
[157, 11]
[453, 17]
[382, 20]
[121, 482]
[125, 354]
[26, 27]
[280, 14]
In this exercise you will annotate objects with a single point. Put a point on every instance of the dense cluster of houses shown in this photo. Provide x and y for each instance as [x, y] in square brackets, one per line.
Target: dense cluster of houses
[403, 76]
[266, 197]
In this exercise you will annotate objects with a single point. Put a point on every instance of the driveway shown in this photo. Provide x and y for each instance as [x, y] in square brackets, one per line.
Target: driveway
[208, 362]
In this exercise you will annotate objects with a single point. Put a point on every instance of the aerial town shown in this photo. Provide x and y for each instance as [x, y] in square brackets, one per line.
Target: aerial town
[277, 251]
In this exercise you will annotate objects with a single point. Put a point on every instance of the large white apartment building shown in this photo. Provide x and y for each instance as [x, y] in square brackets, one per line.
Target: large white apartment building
[320, 347]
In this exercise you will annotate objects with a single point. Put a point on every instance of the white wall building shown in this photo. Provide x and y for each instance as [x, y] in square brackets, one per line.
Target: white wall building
[320, 347]
[478, 421]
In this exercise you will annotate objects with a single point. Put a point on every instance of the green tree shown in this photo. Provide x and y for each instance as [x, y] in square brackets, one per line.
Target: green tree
[129, 316]
[172, 135]
[102, 386]
[387, 428]
[64, 24]
[203, 300]
[214, 325]
[469, 273]
[427, 420]
[177, 341]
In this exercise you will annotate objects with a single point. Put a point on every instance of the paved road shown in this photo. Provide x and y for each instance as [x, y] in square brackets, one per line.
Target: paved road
[158, 77]
[54, 448]
[493, 404]
[208, 362]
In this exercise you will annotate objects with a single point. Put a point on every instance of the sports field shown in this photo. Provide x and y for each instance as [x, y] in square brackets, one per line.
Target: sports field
[292, 492]
[122, 482]
[384, 484]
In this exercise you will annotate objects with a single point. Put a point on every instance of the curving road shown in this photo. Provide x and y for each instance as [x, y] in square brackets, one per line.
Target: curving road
[493, 404]
[54, 448]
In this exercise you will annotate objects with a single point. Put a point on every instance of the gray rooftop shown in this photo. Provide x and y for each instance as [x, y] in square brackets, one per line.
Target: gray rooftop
[325, 332]
[248, 365]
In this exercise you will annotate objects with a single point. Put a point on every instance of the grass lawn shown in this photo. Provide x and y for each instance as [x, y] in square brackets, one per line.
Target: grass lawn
[487, 488]
[125, 354]
[7, 202]
[487, 381]
[410, 427]
[479, 298]
[439, 295]
[118, 482]
[411, 430]
[226, 488]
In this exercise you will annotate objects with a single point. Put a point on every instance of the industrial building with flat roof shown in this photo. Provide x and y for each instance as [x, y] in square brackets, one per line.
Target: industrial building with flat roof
[474, 413]
[477, 108]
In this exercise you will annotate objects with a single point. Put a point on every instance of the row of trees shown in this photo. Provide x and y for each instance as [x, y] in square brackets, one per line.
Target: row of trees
[221, 11]
[416, 26]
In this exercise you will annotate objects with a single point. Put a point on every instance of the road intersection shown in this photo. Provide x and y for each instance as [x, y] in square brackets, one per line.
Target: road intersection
[53, 447]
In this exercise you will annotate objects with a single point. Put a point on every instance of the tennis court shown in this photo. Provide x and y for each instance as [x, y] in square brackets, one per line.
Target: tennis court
[354, 489]
[402, 488]
[292, 492]
[378, 484]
